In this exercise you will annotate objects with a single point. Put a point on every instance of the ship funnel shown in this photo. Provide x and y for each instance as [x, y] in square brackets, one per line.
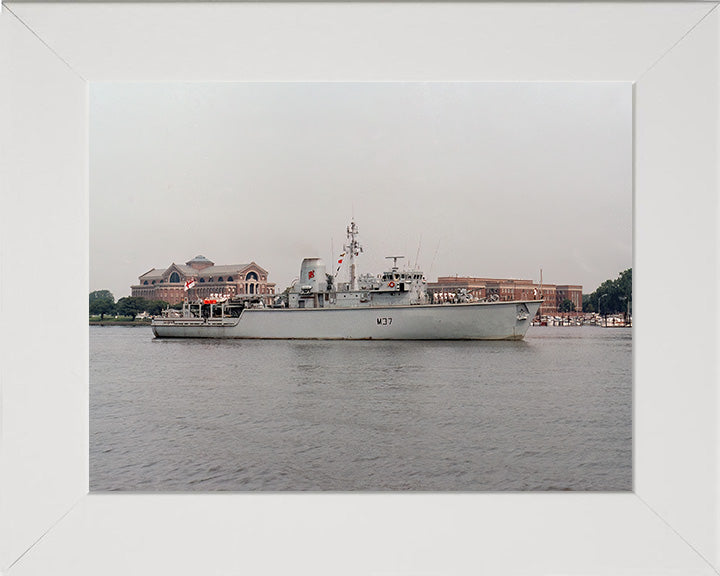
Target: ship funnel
[312, 273]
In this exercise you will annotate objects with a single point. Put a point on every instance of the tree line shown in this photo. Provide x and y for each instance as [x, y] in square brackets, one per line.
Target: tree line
[612, 296]
[102, 303]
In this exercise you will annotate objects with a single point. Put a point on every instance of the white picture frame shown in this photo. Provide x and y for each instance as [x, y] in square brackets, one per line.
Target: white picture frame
[49, 523]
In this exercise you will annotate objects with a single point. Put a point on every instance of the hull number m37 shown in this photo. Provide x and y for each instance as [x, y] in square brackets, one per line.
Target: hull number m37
[384, 321]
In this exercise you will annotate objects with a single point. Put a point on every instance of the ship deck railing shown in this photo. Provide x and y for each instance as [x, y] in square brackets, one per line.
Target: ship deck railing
[227, 321]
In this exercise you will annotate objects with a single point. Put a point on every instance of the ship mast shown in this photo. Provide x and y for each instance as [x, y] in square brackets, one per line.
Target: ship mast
[352, 249]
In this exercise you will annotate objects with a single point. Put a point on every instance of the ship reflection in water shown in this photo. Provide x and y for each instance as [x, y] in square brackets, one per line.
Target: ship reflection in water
[551, 412]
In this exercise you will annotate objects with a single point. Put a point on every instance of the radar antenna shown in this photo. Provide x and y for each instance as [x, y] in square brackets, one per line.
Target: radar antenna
[394, 259]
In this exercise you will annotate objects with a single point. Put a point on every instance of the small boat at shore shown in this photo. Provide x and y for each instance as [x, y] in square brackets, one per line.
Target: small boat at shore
[394, 305]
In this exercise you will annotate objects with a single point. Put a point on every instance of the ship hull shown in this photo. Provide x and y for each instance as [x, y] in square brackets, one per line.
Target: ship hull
[472, 321]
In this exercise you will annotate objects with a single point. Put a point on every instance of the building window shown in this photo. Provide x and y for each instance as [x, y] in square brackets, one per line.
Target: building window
[251, 276]
[153, 281]
[202, 279]
[230, 279]
[220, 279]
[174, 277]
[145, 283]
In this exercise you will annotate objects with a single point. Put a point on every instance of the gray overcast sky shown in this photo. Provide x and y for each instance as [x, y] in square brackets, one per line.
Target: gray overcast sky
[487, 179]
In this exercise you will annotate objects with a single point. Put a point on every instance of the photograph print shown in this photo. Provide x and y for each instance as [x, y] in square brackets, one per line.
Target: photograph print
[360, 287]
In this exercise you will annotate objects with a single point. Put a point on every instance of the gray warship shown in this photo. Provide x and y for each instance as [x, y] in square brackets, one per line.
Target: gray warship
[394, 305]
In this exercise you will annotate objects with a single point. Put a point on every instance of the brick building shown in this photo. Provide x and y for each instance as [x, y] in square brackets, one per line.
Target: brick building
[511, 289]
[168, 284]
[572, 292]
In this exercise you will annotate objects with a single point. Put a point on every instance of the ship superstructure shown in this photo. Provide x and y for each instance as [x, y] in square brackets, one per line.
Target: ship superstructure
[316, 288]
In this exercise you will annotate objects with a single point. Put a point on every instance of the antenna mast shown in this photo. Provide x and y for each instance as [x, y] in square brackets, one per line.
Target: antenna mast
[433, 260]
[352, 249]
[417, 256]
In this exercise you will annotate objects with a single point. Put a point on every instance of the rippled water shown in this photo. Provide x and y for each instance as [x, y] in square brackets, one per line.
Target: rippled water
[552, 412]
